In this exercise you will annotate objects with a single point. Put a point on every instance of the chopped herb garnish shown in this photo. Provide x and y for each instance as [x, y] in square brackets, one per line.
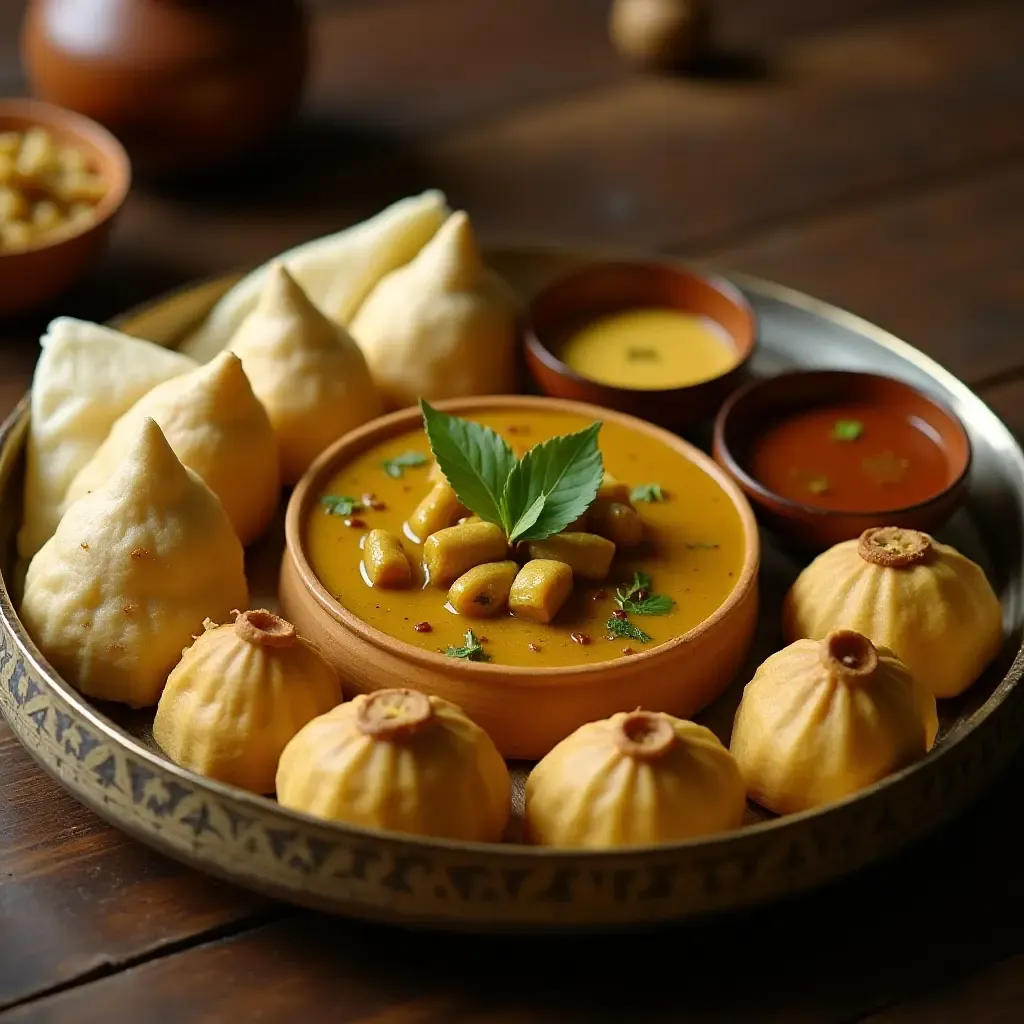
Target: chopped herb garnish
[340, 504]
[407, 460]
[847, 430]
[472, 651]
[530, 498]
[819, 485]
[636, 354]
[647, 492]
[638, 599]
[701, 546]
[625, 628]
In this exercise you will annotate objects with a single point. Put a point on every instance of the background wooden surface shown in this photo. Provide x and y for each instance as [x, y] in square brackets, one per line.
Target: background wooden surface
[868, 151]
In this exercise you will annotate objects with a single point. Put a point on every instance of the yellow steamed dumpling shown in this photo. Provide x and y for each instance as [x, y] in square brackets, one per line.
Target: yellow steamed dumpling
[131, 574]
[636, 778]
[443, 326]
[216, 427]
[337, 272]
[238, 695]
[307, 371]
[822, 719]
[929, 604]
[86, 377]
[401, 761]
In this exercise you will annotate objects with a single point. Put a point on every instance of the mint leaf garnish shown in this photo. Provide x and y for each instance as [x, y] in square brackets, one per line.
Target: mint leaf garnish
[472, 651]
[476, 460]
[539, 495]
[552, 485]
[847, 430]
[624, 628]
[407, 460]
[647, 492]
[638, 599]
[340, 504]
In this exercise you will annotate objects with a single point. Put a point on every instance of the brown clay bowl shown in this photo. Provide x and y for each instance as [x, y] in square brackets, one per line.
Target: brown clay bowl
[747, 412]
[525, 710]
[31, 276]
[608, 287]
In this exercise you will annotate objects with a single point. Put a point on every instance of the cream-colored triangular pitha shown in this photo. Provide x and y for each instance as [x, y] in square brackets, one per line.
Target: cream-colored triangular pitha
[306, 370]
[218, 428]
[134, 569]
[443, 326]
[86, 377]
[337, 272]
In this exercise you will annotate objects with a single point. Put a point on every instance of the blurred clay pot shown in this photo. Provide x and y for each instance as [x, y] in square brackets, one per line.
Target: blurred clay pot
[187, 85]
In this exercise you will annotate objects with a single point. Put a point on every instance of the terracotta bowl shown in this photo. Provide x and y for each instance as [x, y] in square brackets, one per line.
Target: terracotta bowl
[603, 288]
[743, 417]
[526, 710]
[30, 277]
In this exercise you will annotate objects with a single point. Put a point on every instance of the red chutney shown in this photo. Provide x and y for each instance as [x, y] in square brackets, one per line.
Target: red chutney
[855, 457]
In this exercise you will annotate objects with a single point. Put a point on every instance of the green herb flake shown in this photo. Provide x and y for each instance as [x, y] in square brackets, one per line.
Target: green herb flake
[625, 629]
[407, 460]
[472, 651]
[635, 355]
[531, 498]
[819, 485]
[340, 504]
[647, 492]
[847, 430]
[638, 599]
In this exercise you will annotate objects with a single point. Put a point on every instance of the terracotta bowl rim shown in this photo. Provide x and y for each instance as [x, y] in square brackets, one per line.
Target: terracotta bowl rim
[777, 503]
[537, 347]
[392, 423]
[50, 115]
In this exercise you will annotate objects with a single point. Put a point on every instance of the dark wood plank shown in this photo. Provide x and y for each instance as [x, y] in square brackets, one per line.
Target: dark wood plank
[945, 907]
[78, 898]
[654, 161]
[993, 995]
[938, 266]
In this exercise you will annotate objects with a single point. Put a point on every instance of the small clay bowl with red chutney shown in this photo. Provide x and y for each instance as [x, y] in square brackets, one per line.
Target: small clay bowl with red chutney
[825, 454]
[715, 311]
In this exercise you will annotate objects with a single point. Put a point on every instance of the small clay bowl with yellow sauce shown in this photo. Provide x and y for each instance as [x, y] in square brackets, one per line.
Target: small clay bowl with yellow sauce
[824, 455]
[56, 253]
[653, 339]
[700, 547]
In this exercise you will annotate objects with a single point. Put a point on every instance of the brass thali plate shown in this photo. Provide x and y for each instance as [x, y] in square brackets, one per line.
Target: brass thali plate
[106, 758]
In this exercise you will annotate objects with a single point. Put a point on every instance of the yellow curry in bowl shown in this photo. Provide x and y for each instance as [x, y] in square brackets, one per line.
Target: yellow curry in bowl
[670, 571]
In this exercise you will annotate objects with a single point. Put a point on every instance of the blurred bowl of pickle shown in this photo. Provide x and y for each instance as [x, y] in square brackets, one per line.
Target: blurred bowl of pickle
[63, 179]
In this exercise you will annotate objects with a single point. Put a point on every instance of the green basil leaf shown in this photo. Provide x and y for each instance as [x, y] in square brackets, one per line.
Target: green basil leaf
[476, 461]
[566, 472]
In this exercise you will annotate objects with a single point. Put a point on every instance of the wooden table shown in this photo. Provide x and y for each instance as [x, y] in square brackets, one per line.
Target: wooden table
[870, 152]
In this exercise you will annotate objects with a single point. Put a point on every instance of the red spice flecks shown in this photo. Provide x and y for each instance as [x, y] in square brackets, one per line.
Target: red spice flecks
[423, 627]
[599, 595]
[534, 647]
[371, 501]
[642, 595]
[483, 639]
[518, 429]
[618, 614]
[353, 522]
[580, 638]
[627, 650]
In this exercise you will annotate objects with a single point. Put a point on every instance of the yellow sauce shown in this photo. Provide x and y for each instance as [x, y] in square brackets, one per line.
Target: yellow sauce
[694, 550]
[650, 349]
